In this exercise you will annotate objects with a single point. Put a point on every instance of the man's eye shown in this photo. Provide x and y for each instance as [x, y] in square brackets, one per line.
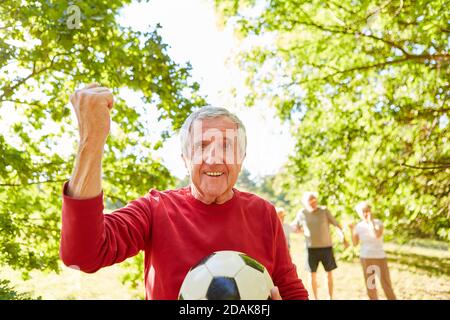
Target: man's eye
[201, 145]
[198, 146]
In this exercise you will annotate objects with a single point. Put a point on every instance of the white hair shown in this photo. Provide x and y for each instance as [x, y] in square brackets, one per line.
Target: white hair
[305, 199]
[360, 208]
[206, 113]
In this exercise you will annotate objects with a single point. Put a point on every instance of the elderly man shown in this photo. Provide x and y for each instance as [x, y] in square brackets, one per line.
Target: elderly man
[314, 221]
[175, 228]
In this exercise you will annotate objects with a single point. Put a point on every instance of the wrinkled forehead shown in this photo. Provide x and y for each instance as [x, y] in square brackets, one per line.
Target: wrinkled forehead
[221, 123]
[212, 127]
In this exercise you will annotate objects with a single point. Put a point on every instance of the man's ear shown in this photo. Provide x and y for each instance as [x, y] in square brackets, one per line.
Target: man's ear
[185, 162]
[241, 162]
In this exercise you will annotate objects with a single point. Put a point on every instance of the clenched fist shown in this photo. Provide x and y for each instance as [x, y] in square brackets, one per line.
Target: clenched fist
[92, 106]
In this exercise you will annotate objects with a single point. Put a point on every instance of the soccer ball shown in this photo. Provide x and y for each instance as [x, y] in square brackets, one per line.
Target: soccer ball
[227, 275]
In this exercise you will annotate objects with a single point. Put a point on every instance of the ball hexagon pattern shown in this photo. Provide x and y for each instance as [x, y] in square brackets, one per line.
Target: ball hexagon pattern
[227, 275]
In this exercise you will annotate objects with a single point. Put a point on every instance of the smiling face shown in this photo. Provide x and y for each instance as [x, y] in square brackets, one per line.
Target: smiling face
[215, 164]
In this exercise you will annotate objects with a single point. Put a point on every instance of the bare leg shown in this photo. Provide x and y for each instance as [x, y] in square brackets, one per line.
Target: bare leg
[314, 284]
[330, 285]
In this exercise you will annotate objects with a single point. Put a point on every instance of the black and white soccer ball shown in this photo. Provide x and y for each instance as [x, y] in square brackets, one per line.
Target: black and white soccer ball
[227, 275]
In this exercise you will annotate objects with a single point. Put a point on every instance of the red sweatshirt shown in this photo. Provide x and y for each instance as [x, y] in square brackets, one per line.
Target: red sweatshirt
[176, 231]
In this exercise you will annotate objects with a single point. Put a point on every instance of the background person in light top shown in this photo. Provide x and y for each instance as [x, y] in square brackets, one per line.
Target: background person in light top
[314, 221]
[369, 232]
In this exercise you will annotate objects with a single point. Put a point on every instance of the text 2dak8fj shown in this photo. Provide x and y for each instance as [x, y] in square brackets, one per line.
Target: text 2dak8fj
[226, 309]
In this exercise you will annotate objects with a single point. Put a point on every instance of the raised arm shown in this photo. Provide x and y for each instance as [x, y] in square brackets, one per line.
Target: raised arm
[378, 228]
[92, 106]
[90, 239]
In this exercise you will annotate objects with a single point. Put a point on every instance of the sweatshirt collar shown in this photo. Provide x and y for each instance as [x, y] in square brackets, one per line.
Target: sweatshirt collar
[213, 206]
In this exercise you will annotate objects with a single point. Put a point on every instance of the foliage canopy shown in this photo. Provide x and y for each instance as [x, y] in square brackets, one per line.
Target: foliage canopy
[365, 85]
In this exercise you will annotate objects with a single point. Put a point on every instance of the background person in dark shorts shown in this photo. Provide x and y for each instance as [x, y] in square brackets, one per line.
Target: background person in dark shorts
[314, 221]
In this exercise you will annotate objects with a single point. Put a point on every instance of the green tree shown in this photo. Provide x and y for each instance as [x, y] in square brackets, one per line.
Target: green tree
[365, 85]
[267, 187]
[245, 181]
[45, 54]
[9, 293]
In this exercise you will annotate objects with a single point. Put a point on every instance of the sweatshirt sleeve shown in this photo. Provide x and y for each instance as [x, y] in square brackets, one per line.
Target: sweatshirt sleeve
[285, 275]
[91, 239]
[331, 218]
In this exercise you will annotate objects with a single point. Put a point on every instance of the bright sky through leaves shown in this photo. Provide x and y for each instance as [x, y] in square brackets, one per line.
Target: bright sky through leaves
[191, 29]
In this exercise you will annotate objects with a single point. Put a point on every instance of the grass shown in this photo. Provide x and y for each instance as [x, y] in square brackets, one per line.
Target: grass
[417, 272]
[71, 284]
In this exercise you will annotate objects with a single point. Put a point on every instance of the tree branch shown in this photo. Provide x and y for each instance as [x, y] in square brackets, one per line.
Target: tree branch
[444, 166]
[338, 5]
[349, 31]
[34, 72]
[372, 66]
[30, 103]
[378, 9]
[29, 184]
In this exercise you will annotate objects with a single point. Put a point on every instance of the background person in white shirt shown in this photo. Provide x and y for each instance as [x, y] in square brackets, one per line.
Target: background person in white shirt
[369, 232]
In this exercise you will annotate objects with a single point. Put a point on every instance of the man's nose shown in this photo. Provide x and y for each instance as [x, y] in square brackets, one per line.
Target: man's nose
[214, 154]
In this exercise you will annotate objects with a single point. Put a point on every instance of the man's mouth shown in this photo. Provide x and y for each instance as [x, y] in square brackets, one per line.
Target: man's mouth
[214, 173]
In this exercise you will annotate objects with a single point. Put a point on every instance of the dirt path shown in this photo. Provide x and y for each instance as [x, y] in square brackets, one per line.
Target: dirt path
[416, 273]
